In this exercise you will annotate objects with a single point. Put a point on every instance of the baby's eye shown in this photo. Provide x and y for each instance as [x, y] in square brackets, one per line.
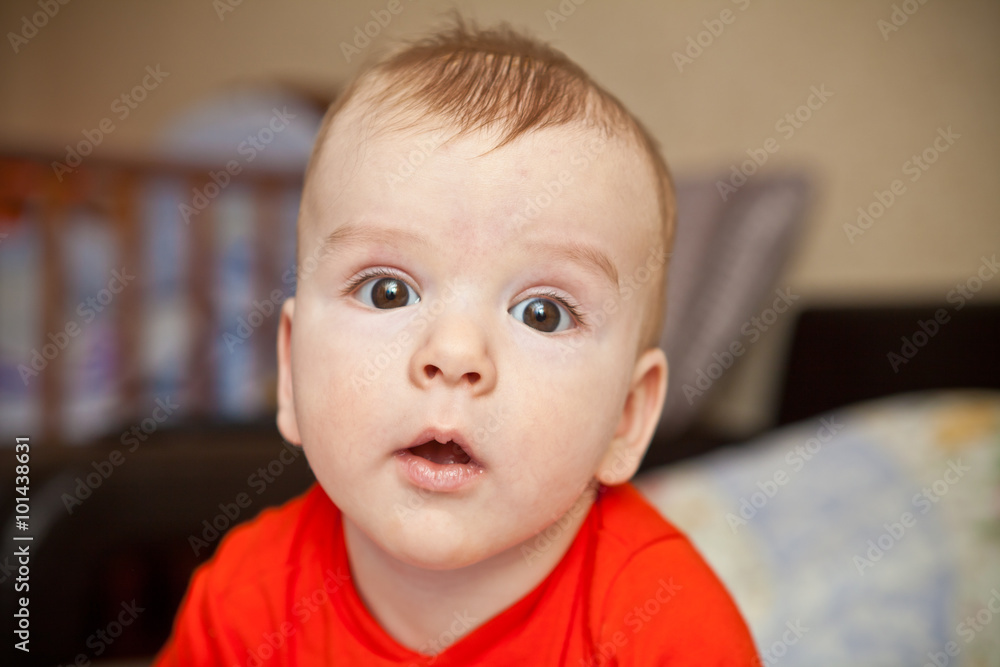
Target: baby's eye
[545, 315]
[385, 293]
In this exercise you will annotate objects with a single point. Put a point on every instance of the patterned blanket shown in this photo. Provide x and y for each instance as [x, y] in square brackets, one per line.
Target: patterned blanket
[867, 536]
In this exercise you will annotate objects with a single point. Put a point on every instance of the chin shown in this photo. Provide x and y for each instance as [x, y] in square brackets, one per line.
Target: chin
[441, 548]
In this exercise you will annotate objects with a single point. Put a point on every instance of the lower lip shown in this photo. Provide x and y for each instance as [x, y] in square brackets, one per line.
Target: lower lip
[438, 476]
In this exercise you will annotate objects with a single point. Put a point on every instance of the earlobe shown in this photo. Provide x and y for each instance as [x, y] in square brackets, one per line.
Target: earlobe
[640, 416]
[287, 423]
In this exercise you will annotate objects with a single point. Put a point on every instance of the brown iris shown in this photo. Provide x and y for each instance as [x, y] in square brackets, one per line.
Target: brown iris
[541, 314]
[390, 293]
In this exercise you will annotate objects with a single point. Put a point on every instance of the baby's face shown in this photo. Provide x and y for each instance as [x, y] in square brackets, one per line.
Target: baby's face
[460, 360]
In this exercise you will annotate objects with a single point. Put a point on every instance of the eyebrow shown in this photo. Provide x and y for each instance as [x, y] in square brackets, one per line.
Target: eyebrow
[589, 257]
[350, 234]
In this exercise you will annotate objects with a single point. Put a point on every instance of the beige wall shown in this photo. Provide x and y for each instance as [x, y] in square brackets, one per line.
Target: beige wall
[940, 69]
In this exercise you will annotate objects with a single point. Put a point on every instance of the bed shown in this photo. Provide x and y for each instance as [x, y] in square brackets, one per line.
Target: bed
[816, 524]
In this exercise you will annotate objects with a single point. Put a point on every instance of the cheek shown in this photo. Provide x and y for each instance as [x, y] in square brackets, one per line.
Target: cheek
[567, 408]
[348, 371]
[323, 364]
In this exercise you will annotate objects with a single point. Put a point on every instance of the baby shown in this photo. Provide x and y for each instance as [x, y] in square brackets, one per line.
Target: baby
[473, 374]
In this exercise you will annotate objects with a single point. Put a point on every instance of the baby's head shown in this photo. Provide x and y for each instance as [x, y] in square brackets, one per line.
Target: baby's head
[478, 341]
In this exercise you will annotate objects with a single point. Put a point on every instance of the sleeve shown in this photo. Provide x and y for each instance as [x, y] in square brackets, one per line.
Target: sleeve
[199, 638]
[235, 611]
[667, 607]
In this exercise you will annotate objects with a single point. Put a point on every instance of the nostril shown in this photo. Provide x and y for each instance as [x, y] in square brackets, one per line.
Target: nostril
[431, 372]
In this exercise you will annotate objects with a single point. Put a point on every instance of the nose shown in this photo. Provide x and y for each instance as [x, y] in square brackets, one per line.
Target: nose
[455, 352]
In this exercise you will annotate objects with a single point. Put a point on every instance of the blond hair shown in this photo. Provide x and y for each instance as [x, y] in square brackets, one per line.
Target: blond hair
[504, 81]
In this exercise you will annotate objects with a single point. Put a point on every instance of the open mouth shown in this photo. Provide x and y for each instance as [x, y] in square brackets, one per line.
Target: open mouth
[442, 453]
[440, 462]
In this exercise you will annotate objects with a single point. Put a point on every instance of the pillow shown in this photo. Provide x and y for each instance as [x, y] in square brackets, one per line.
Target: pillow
[727, 255]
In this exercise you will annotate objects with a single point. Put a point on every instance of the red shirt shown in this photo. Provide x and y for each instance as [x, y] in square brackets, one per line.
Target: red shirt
[631, 590]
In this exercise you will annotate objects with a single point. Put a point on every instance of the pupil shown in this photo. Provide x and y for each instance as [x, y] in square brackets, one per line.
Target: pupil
[542, 315]
[389, 293]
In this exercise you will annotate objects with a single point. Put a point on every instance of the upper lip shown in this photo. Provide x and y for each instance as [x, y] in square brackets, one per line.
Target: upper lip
[444, 436]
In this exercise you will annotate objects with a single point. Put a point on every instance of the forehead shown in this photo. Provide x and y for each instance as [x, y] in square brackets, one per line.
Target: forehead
[569, 183]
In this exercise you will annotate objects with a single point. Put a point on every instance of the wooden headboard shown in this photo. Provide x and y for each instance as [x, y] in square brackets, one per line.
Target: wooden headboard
[168, 240]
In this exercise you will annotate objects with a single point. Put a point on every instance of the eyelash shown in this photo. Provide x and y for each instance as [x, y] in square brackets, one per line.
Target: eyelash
[565, 302]
[368, 274]
[383, 272]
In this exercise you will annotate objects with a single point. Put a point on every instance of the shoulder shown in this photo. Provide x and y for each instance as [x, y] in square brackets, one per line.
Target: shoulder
[242, 590]
[257, 562]
[270, 544]
[655, 595]
[628, 530]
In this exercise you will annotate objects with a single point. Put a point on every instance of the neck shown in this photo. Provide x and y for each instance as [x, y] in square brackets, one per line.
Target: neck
[428, 610]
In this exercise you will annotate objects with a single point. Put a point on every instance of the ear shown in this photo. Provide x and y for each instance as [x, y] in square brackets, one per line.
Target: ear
[288, 425]
[639, 419]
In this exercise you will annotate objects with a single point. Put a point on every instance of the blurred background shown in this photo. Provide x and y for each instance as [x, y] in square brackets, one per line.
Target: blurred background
[836, 168]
